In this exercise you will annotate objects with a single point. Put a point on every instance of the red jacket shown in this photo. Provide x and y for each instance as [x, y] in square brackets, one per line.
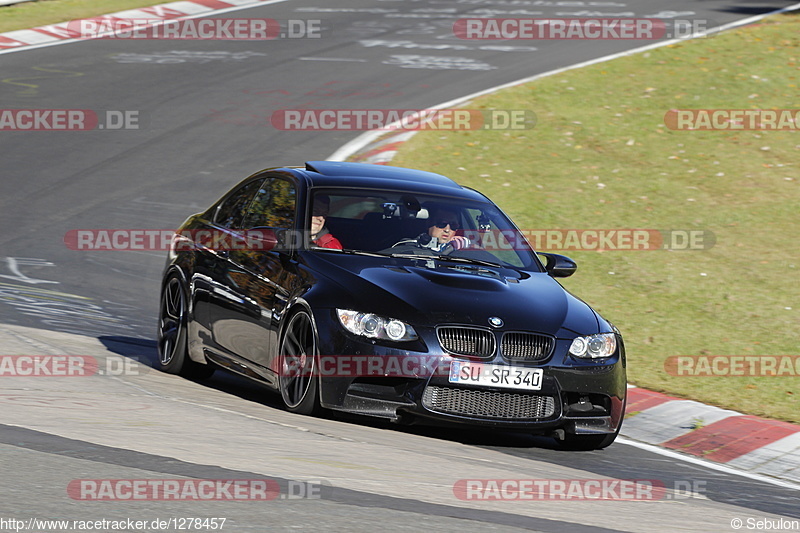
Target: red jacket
[326, 240]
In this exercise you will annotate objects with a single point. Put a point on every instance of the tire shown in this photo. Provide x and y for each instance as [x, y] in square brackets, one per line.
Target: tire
[297, 379]
[173, 356]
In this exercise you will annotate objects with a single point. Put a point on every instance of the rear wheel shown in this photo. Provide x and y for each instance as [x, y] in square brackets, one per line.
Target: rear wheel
[173, 356]
[297, 379]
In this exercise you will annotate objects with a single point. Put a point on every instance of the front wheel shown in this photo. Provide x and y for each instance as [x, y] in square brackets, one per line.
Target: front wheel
[173, 356]
[297, 379]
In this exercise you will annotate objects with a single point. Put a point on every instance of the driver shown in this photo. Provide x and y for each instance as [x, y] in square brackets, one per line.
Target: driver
[441, 234]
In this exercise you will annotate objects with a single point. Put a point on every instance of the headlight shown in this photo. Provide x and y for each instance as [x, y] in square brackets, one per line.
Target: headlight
[594, 346]
[375, 327]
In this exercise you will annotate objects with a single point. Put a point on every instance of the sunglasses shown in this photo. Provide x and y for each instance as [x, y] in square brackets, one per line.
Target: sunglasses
[444, 223]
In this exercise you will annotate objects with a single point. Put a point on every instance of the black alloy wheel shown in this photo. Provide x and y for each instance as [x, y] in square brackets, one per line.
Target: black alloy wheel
[297, 378]
[173, 356]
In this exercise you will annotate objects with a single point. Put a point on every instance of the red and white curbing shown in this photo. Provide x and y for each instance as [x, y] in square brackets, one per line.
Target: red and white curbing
[65, 31]
[750, 443]
[383, 150]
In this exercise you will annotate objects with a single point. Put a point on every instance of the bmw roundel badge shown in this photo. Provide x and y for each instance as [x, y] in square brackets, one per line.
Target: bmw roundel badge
[495, 321]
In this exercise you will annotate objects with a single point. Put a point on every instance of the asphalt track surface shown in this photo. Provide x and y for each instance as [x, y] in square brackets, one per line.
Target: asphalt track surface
[204, 109]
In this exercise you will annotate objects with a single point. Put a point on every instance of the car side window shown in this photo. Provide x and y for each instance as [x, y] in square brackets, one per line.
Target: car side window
[273, 206]
[232, 210]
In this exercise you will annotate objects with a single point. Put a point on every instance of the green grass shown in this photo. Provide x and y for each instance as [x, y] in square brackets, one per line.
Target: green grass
[42, 12]
[604, 124]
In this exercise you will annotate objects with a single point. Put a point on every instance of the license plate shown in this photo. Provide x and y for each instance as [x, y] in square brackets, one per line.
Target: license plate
[508, 377]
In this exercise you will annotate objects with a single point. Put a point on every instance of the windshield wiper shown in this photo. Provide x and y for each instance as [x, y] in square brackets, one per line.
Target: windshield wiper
[349, 252]
[457, 259]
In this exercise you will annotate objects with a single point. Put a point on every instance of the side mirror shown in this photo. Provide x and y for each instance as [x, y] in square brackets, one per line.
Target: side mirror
[559, 266]
[269, 239]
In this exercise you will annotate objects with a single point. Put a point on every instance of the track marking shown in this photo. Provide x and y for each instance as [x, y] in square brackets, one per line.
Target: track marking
[32, 89]
[14, 264]
[9, 286]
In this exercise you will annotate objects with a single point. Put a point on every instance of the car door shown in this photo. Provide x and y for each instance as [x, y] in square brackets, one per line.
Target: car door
[268, 271]
[223, 302]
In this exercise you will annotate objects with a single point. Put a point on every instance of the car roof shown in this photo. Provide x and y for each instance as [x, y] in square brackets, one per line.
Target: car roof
[338, 169]
[364, 175]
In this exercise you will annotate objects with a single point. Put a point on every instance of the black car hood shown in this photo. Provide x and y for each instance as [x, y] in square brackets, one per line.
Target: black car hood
[422, 292]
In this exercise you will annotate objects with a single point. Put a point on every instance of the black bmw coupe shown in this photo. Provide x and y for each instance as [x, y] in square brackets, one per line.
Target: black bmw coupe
[389, 292]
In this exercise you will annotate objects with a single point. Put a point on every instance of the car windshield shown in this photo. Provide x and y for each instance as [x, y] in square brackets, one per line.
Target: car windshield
[399, 224]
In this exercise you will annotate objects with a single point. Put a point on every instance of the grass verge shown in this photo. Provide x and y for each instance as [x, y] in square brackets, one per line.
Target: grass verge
[600, 156]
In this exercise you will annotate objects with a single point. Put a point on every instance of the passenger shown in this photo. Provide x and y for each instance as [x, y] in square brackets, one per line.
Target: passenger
[320, 236]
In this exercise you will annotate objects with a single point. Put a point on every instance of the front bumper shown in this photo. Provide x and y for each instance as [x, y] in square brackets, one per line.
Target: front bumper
[581, 397]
